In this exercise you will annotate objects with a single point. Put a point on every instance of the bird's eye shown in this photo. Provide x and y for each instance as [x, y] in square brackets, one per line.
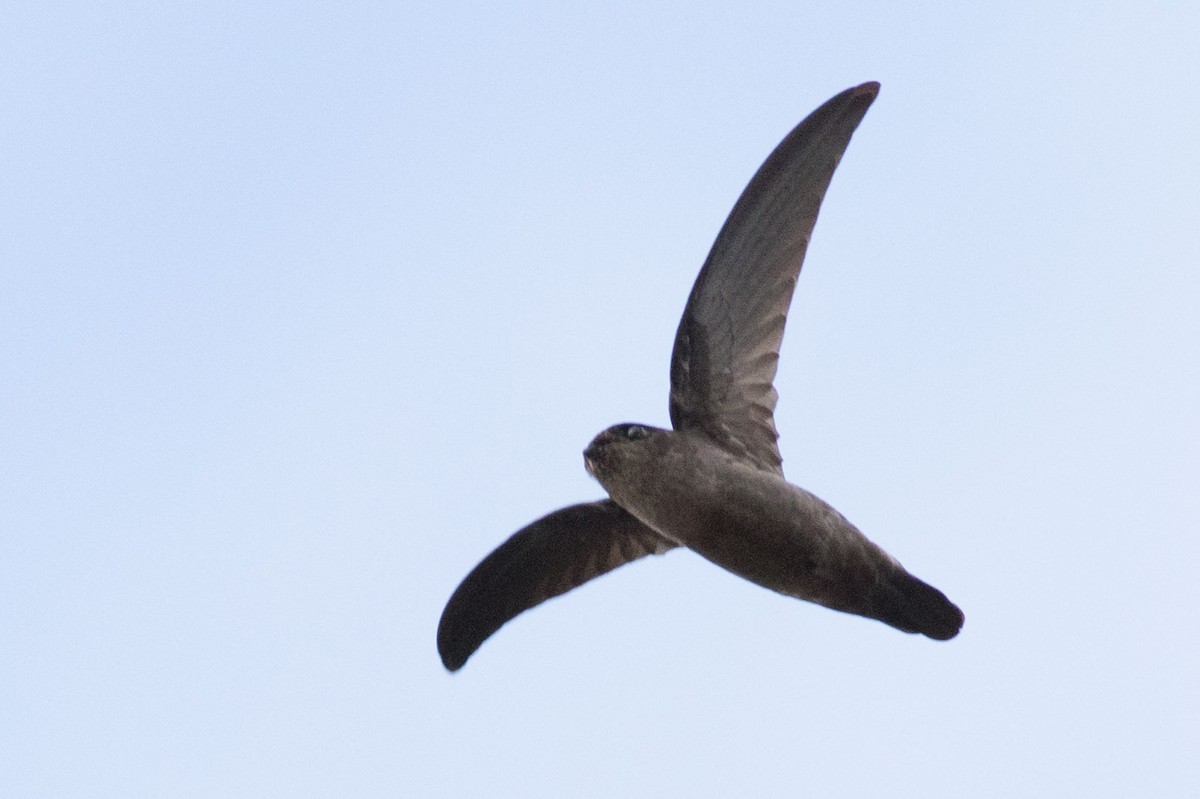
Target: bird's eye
[636, 432]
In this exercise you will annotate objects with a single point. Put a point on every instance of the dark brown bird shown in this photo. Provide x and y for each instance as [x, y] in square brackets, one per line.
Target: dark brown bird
[714, 484]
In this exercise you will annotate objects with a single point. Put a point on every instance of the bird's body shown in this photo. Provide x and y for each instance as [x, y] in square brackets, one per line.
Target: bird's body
[714, 484]
[754, 523]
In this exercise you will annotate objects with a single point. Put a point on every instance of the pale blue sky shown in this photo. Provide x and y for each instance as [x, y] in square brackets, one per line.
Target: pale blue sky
[305, 309]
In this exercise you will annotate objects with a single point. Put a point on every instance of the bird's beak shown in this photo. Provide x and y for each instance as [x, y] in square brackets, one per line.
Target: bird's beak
[590, 457]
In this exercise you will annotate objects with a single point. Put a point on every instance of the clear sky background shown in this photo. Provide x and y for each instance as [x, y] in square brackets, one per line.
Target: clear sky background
[304, 309]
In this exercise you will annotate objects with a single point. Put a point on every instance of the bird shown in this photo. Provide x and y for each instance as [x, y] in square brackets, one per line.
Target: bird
[714, 482]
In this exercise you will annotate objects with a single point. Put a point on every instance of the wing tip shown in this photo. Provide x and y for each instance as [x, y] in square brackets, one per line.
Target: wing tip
[859, 98]
[449, 645]
[453, 662]
[868, 89]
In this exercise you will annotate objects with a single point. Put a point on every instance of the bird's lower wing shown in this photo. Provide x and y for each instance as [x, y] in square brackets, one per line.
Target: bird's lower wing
[548, 557]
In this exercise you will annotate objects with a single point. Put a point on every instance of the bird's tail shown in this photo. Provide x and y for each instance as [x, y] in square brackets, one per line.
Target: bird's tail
[909, 604]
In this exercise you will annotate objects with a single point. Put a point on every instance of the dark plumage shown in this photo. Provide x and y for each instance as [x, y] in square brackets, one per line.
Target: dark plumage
[714, 484]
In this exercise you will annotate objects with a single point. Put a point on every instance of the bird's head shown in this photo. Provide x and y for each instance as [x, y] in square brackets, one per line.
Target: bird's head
[616, 446]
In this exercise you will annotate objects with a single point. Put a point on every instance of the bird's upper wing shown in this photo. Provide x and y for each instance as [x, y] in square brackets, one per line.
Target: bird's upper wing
[727, 345]
[547, 558]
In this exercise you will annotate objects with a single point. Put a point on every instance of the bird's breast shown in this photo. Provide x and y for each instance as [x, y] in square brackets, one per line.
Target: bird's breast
[748, 521]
